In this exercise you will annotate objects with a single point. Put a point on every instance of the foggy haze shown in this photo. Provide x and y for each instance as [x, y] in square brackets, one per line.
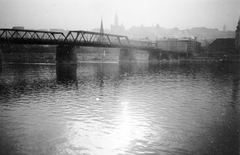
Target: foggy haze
[87, 14]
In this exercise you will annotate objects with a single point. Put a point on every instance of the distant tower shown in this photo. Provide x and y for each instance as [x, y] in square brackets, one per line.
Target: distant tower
[116, 28]
[116, 20]
[237, 36]
[224, 28]
[101, 32]
[101, 28]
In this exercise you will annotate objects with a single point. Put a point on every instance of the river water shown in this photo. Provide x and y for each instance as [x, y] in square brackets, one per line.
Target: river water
[126, 108]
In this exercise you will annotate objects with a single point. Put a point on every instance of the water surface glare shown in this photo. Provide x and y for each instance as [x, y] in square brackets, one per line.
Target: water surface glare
[126, 108]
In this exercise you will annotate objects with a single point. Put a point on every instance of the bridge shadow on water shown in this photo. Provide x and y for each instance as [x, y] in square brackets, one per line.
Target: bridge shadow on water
[66, 73]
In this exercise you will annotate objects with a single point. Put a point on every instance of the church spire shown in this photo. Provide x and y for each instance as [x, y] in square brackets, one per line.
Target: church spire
[101, 27]
[101, 37]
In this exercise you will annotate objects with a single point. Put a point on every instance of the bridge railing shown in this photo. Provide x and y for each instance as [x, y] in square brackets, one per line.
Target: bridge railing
[31, 36]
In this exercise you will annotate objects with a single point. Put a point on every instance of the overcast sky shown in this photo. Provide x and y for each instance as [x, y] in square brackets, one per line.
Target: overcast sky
[86, 14]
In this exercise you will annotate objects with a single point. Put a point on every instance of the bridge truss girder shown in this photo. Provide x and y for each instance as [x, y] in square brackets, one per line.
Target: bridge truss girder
[14, 36]
[73, 38]
[86, 38]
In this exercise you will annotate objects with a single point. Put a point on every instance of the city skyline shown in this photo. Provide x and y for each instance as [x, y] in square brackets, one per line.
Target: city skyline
[86, 15]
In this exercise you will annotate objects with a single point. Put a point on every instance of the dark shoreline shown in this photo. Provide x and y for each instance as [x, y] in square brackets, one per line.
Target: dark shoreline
[19, 54]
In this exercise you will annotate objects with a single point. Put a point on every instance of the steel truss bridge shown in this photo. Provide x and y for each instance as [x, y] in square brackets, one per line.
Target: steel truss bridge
[73, 38]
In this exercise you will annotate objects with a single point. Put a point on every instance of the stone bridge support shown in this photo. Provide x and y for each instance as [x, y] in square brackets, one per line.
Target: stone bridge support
[154, 56]
[66, 73]
[127, 55]
[66, 55]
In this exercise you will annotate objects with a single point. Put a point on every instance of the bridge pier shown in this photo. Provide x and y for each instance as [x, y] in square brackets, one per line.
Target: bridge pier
[154, 56]
[66, 55]
[66, 73]
[127, 55]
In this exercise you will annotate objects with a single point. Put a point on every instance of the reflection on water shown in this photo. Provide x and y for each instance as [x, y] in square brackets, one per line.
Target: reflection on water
[66, 73]
[125, 108]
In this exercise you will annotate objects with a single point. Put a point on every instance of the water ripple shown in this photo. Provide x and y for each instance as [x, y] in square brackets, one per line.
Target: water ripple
[119, 109]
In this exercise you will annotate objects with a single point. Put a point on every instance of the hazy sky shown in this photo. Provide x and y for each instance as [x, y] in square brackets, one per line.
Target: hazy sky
[86, 14]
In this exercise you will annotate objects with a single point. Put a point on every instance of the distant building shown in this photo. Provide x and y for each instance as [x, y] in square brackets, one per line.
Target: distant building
[224, 28]
[18, 27]
[237, 36]
[17, 35]
[142, 39]
[222, 47]
[117, 29]
[180, 45]
[226, 47]
[65, 32]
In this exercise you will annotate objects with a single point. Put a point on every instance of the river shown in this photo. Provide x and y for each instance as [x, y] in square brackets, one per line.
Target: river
[120, 108]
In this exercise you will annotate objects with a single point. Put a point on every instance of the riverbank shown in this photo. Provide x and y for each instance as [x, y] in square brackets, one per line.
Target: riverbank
[33, 54]
[95, 57]
[42, 54]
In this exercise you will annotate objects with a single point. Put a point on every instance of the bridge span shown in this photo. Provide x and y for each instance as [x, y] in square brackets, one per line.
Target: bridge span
[67, 42]
[72, 38]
